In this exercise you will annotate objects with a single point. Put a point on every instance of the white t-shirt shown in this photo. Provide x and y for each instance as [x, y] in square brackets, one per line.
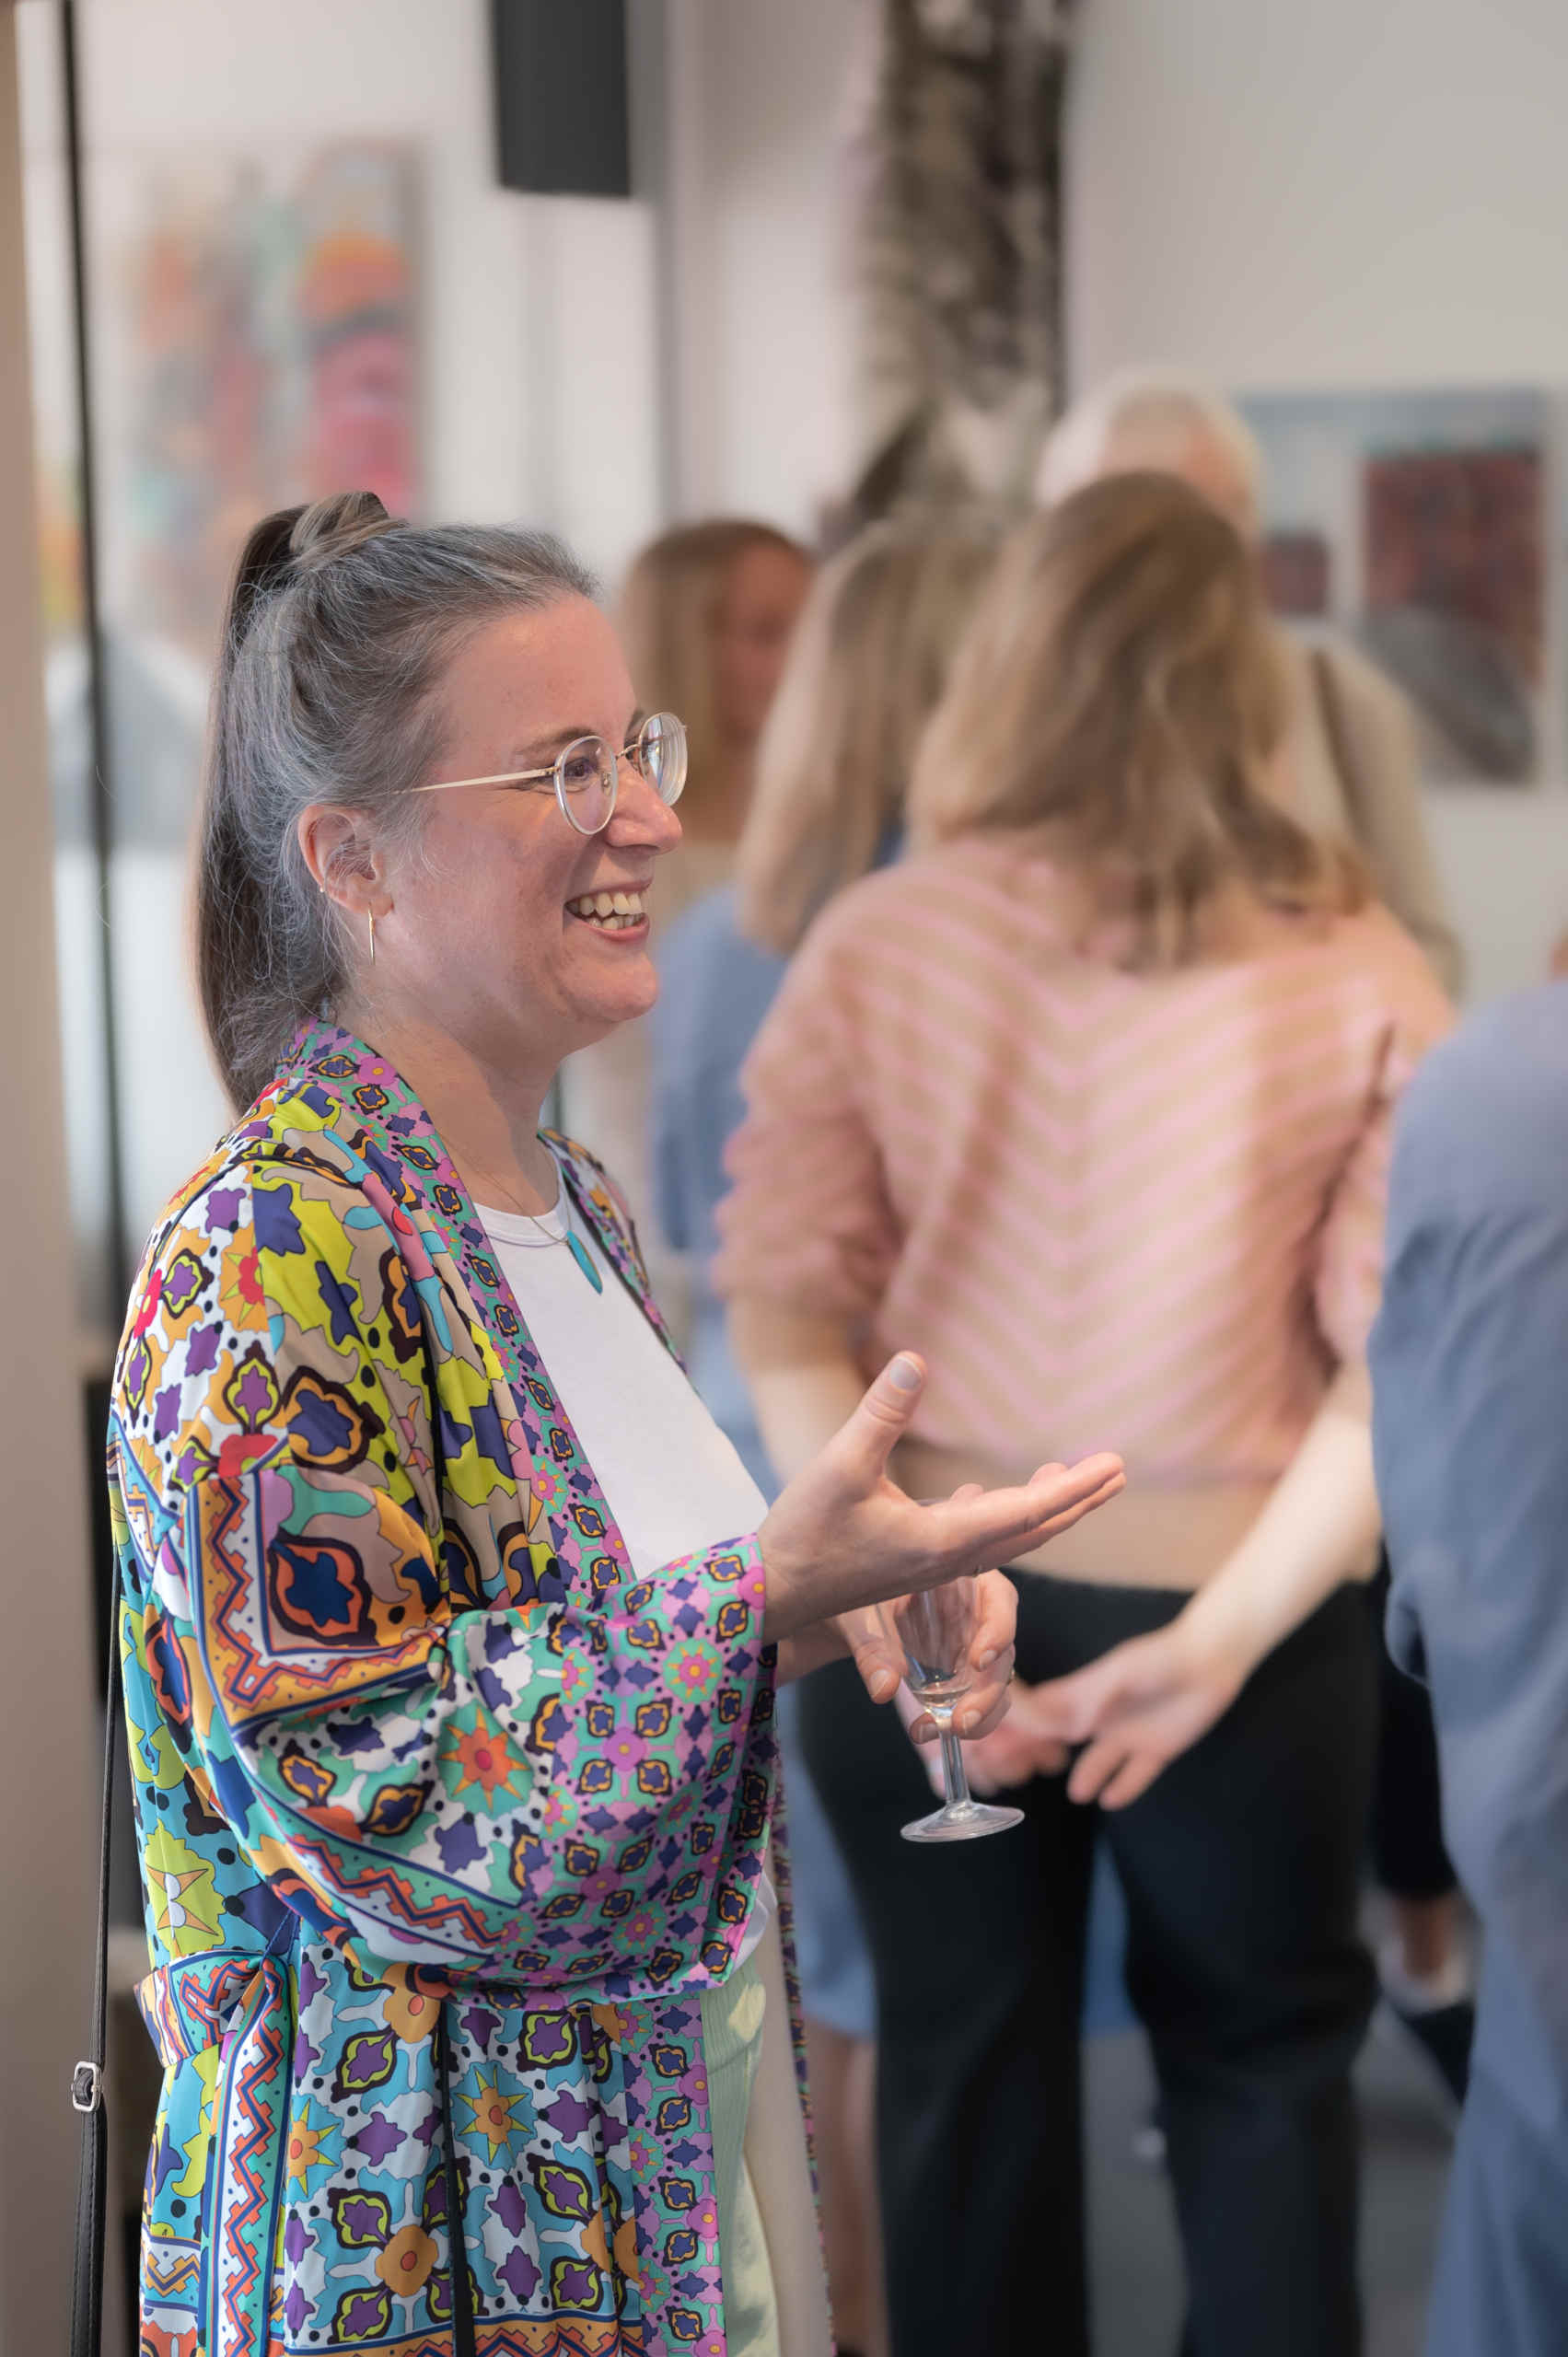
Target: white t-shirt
[671, 1478]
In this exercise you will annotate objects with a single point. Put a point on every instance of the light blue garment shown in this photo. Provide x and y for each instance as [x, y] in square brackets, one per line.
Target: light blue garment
[1470, 1362]
[715, 987]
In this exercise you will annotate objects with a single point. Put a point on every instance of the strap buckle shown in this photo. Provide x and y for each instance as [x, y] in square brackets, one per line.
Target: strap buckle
[87, 2088]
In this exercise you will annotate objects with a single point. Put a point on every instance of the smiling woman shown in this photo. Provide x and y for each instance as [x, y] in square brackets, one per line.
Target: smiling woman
[451, 1622]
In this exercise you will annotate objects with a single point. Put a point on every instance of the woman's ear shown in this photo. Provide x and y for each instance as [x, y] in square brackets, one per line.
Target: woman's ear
[345, 864]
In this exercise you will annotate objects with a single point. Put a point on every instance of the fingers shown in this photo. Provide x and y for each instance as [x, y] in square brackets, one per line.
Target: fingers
[875, 1656]
[1134, 1781]
[1003, 1521]
[996, 1622]
[1087, 1702]
[1093, 1768]
[1111, 1488]
[985, 1705]
[1070, 1710]
[1115, 1773]
[868, 1438]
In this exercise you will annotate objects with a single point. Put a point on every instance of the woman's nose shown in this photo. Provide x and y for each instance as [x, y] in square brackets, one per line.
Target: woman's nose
[642, 816]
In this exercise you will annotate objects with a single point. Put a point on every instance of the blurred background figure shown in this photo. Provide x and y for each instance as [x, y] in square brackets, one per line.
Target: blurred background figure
[865, 671]
[1468, 1363]
[1089, 1102]
[1347, 769]
[707, 614]
[1348, 763]
[706, 617]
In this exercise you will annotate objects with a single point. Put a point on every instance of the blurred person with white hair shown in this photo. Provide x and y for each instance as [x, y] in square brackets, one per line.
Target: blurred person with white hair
[1349, 766]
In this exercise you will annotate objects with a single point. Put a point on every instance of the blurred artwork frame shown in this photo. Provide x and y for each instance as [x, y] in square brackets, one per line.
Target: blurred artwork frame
[263, 348]
[1422, 525]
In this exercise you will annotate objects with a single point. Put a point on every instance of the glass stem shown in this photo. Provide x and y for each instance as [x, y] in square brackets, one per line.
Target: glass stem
[955, 1779]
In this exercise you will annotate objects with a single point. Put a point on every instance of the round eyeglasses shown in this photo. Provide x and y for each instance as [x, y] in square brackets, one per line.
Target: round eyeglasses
[586, 773]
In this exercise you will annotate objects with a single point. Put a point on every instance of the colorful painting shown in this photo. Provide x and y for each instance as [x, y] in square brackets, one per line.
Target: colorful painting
[269, 327]
[1418, 525]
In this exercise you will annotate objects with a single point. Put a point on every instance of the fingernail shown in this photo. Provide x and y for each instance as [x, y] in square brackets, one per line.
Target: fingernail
[884, 1686]
[905, 1374]
[968, 1722]
[984, 1658]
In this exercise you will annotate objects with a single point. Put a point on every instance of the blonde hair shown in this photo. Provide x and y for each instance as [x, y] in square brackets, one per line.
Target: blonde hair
[867, 664]
[670, 608]
[1119, 690]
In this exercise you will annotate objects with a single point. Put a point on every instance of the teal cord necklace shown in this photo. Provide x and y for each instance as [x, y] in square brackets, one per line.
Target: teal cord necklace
[571, 1240]
[583, 1257]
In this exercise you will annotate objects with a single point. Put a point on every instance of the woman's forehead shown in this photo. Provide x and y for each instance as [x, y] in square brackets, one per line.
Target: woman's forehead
[558, 667]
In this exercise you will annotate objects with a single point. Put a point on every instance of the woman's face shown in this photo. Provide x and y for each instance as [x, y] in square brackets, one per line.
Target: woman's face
[492, 934]
[764, 592]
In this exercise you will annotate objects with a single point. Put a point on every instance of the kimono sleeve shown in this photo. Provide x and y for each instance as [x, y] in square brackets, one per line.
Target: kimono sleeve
[557, 1793]
[1410, 1016]
[808, 1222]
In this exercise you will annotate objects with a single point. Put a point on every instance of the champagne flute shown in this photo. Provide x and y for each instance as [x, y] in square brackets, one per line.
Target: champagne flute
[935, 1631]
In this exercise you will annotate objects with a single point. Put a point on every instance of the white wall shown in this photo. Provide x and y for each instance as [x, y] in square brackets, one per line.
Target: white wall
[758, 111]
[1340, 195]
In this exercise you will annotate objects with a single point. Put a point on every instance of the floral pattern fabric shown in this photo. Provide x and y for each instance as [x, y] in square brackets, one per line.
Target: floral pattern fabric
[419, 1765]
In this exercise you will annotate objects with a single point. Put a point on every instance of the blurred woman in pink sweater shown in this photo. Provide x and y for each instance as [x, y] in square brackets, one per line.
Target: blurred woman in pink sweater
[1088, 1101]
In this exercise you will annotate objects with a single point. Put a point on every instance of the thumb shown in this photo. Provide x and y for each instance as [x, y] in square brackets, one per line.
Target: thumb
[879, 1661]
[879, 1423]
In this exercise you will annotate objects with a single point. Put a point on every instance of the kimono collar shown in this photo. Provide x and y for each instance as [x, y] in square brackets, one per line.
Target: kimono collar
[389, 1130]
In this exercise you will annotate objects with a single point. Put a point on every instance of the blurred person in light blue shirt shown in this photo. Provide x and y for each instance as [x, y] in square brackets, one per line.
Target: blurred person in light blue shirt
[865, 669]
[1469, 1367]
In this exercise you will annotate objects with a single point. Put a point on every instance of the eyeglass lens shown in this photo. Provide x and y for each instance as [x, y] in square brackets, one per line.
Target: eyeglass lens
[588, 771]
[661, 754]
[585, 784]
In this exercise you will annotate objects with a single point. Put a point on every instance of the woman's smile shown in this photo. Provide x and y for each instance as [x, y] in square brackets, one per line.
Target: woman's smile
[618, 910]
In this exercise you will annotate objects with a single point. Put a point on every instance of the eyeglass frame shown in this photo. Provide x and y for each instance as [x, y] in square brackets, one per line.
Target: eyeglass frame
[555, 770]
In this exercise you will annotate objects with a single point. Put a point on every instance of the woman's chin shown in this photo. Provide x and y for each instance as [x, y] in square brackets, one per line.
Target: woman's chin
[631, 994]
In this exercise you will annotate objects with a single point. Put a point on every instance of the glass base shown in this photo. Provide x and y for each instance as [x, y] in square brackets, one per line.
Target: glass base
[966, 1822]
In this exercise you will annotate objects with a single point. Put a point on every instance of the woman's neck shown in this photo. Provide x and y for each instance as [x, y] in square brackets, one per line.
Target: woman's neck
[487, 1115]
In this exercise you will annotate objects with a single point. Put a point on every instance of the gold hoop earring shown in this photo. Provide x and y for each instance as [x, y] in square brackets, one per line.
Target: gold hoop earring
[372, 937]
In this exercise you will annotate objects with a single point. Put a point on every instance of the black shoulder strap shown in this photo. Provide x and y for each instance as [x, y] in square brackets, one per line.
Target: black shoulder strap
[86, 2079]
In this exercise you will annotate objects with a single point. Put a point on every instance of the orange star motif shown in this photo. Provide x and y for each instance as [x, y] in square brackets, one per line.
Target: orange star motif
[483, 1756]
[495, 2116]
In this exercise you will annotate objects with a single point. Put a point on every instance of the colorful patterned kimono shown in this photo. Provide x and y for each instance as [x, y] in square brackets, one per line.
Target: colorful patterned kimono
[444, 1816]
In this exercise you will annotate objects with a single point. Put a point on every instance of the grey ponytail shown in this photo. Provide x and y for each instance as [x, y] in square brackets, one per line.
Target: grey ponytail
[340, 623]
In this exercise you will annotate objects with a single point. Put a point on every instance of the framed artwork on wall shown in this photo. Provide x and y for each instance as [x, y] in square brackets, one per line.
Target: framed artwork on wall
[1420, 525]
[265, 350]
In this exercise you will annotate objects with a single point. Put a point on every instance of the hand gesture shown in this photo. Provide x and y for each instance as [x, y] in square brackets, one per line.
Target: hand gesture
[843, 1536]
[1139, 1706]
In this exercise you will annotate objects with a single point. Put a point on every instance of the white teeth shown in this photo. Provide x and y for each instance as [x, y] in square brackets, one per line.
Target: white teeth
[614, 911]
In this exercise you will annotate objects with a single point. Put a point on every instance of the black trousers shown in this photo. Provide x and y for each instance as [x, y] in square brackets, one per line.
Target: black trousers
[1240, 1872]
[1410, 1857]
